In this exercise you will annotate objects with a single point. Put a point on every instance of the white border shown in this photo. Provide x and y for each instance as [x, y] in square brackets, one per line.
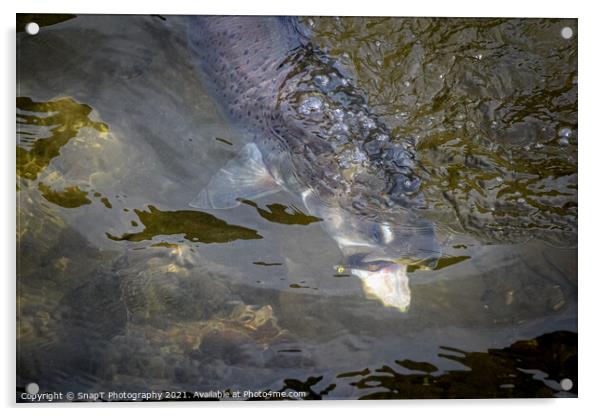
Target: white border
[589, 179]
[506, 8]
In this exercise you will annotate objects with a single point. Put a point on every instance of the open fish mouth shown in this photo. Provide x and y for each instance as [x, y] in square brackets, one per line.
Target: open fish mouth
[387, 283]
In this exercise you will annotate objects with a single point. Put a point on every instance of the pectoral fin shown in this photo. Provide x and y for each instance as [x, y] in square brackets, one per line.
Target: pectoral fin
[389, 285]
[244, 177]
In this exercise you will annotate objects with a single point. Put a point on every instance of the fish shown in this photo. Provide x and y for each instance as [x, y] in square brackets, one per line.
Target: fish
[308, 130]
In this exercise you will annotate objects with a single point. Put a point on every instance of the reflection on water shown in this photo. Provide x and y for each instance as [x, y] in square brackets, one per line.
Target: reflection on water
[195, 226]
[283, 214]
[493, 105]
[263, 263]
[120, 288]
[62, 118]
[443, 262]
[530, 368]
[71, 197]
[512, 372]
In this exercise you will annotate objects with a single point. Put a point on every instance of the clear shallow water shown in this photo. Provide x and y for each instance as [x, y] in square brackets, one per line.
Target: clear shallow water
[123, 286]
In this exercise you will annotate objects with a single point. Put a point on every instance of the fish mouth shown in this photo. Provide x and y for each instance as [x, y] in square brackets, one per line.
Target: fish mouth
[387, 283]
[376, 260]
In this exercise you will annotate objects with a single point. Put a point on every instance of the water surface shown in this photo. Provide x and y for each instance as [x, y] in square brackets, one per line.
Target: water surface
[123, 286]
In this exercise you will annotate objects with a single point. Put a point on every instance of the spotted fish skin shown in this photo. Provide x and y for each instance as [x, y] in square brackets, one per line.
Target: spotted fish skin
[311, 124]
[239, 59]
[316, 137]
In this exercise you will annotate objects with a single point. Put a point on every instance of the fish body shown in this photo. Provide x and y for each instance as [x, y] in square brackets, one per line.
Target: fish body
[311, 133]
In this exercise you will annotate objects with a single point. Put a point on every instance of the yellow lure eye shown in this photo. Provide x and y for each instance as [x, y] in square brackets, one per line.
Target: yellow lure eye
[341, 269]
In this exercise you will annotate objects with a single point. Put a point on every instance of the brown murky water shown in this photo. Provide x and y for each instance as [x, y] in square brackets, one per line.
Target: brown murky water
[123, 286]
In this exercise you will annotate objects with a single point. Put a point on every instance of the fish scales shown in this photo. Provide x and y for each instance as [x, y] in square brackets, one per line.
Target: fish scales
[274, 84]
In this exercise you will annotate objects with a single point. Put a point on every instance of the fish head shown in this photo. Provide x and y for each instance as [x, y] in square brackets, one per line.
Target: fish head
[378, 251]
[370, 241]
